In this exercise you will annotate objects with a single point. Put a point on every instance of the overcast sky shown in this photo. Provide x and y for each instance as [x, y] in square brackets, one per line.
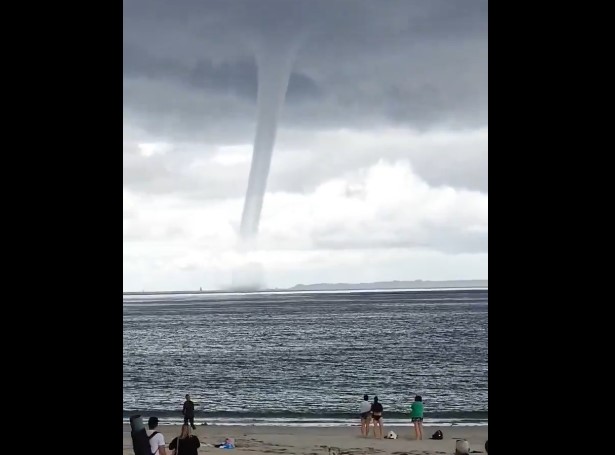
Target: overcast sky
[380, 166]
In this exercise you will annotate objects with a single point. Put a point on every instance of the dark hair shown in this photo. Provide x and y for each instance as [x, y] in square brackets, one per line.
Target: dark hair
[365, 397]
[187, 395]
[418, 398]
[152, 422]
[375, 399]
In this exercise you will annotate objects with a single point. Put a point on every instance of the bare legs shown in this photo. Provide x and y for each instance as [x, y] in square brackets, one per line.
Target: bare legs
[418, 430]
[365, 427]
[378, 423]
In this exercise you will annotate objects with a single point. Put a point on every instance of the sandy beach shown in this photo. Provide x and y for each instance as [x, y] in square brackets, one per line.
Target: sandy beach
[318, 440]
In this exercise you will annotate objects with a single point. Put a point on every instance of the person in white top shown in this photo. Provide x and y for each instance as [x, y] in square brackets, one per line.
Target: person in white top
[156, 439]
[365, 411]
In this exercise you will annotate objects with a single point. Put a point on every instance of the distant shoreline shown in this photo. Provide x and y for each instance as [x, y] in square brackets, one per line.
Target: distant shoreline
[325, 287]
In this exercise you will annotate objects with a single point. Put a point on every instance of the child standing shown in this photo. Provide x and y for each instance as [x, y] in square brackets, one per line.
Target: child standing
[416, 414]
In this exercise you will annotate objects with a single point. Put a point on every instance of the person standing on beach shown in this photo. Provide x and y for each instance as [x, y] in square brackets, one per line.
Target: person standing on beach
[188, 412]
[365, 411]
[377, 416]
[190, 444]
[156, 439]
[416, 415]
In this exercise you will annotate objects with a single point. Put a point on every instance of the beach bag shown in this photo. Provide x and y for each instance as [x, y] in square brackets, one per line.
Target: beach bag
[462, 447]
[437, 435]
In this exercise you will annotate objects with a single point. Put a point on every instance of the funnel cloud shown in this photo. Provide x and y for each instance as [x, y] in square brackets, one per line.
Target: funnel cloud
[274, 63]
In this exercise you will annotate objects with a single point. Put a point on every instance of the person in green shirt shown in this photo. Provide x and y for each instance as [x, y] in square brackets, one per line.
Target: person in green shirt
[416, 414]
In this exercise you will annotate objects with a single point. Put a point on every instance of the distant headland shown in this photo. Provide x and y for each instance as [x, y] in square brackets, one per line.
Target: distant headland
[417, 284]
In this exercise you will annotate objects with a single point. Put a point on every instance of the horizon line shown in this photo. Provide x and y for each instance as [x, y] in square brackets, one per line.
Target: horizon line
[299, 288]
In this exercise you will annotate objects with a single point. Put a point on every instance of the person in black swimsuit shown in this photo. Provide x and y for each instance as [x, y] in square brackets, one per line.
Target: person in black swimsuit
[377, 416]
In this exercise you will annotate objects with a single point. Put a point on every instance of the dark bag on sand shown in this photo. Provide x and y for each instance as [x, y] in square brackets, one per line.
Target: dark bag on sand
[437, 435]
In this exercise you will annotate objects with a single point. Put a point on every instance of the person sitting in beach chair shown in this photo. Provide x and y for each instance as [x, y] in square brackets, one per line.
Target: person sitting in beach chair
[229, 443]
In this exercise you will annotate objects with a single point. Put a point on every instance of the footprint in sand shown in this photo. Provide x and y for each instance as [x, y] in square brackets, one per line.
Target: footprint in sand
[365, 450]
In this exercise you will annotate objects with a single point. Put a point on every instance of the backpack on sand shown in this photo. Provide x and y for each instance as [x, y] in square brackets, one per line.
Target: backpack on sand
[437, 435]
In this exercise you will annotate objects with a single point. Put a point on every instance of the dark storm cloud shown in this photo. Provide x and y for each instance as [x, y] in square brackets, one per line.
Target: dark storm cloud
[190, 64]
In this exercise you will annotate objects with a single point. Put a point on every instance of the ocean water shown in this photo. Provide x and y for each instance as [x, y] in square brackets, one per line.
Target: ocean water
[307, 358]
